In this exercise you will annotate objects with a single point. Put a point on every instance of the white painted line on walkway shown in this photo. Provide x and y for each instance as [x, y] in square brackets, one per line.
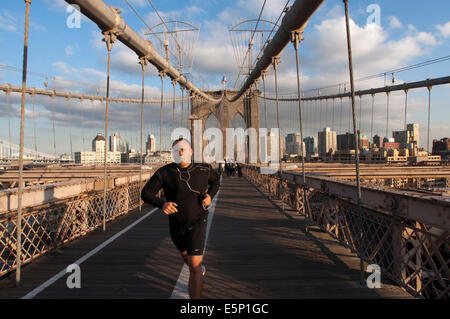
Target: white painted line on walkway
[180, 291]
[63, 272]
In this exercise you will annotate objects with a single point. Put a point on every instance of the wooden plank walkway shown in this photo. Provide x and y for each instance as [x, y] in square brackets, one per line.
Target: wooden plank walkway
[254, 250]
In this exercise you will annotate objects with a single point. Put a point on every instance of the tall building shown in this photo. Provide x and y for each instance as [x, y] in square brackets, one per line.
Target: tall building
[377, 141]
[327, 141]
[410, 136]
[442, 147]
[363, 142]
[294, 144]
[345, 142]
[413, 130]
[150, 144]
[97, 155]
[98, 143]
[117, 144]
[309, 145]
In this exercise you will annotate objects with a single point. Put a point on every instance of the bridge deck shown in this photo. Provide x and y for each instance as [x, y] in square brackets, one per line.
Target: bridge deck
[254, 250]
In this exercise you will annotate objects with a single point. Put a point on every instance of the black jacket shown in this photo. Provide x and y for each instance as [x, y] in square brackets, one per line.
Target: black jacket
[201, 178]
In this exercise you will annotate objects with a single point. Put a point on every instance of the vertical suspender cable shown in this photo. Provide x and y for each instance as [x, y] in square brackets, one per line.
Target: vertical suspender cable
[182, 106]
[53, 97]
[109, 40]
[406, 107]
[22, 130]
[350, 61]
[143, 62]
[332, 118]
[387, 115]
[70, 126]
[371, 121]
[429, 115]
[174, 83]
[82, 123]
[34, 126]
[9, 124]
[162, 75]
[340, 116]
[275, 62]
[265, 114]
[188, 107]
[296, 41]
[360, 106]
[265, 102]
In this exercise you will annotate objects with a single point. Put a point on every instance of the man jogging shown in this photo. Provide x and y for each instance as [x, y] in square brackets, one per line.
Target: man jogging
[188, 189]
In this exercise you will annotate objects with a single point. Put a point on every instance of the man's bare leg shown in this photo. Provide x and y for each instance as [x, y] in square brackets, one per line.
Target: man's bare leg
[195, 276]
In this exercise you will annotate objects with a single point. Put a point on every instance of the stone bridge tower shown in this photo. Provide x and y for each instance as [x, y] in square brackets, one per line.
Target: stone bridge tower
[225, 111]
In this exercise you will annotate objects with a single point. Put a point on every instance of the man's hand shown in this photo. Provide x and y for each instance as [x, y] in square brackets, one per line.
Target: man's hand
[207, 201]
[169, 208]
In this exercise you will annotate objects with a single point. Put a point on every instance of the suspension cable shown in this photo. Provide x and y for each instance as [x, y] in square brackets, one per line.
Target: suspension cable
[371, 121]
[275, 62]
[332, 117]
[143, 62]
[360, 106]
[9, 123]
[429, 116]
[182, 106]
[109, 40]
[296, 41]
[53, 98]
[265, 103]
[34, 126]
[22, 131]
[358, 182]
[161, 75]
[406, 106]
[82, 123]
[174, 83]
[70, 126]
[387, 114]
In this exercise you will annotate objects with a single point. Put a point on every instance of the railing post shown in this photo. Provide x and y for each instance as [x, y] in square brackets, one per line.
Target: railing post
[398, 251]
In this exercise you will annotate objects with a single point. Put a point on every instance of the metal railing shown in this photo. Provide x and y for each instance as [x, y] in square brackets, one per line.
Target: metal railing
[410, 252]
[50, 225]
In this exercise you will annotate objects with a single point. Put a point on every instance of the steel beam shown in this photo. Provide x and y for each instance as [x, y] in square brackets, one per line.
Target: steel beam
[385, 89]
[109, 20]
[6, 87]
[295, 20]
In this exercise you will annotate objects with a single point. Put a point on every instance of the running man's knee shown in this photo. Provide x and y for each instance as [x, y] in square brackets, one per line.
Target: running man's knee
[195, 264]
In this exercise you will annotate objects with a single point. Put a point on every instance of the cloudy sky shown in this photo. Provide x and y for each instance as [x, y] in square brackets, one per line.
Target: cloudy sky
[408, 32]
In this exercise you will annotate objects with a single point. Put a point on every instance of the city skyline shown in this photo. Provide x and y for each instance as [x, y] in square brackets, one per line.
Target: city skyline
[402, 38]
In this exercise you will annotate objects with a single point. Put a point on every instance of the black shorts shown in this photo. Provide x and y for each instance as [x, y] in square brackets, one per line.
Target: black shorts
[190, 239]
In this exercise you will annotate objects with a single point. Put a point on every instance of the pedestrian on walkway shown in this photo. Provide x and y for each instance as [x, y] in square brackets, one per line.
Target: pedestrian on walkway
[189, 189]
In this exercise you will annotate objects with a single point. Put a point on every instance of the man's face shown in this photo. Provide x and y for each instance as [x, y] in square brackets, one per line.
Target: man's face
[182, 153]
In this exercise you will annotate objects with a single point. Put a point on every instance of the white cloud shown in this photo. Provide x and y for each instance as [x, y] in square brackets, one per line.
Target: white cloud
[394, 22]
[444, 29]
[8, 22]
